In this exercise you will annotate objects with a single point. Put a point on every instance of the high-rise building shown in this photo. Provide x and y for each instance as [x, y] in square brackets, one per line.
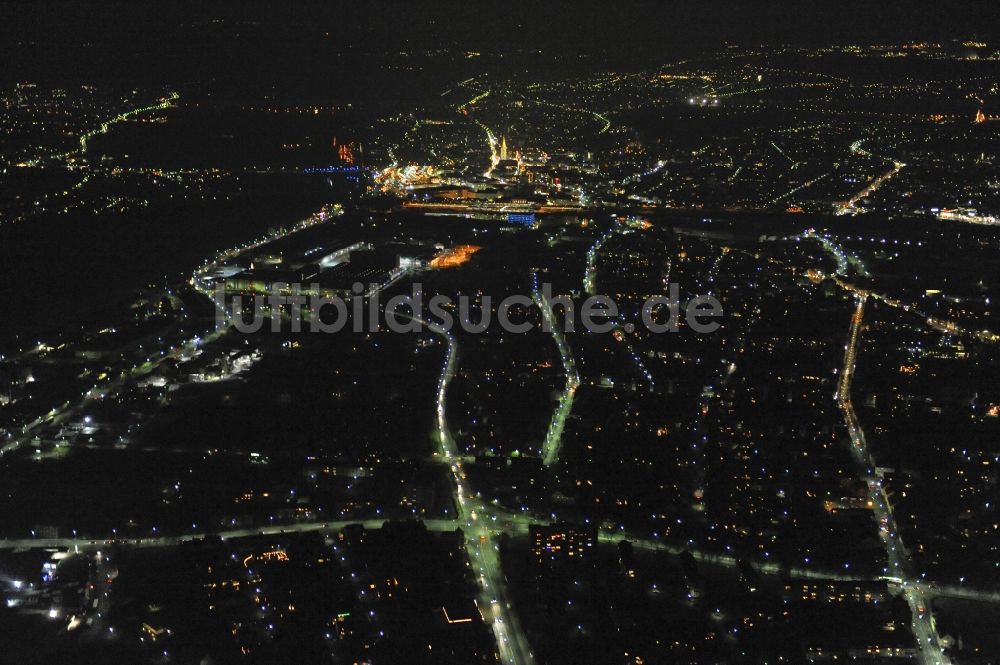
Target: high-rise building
[562, 541]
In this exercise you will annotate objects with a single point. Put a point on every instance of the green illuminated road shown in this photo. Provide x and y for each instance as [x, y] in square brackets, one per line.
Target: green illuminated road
[553, 438]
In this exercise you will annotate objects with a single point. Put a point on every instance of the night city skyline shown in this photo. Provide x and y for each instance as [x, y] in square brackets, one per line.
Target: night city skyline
[506, 333]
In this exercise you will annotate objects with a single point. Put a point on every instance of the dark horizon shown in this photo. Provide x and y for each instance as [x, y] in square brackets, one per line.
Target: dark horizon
[182, 38]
